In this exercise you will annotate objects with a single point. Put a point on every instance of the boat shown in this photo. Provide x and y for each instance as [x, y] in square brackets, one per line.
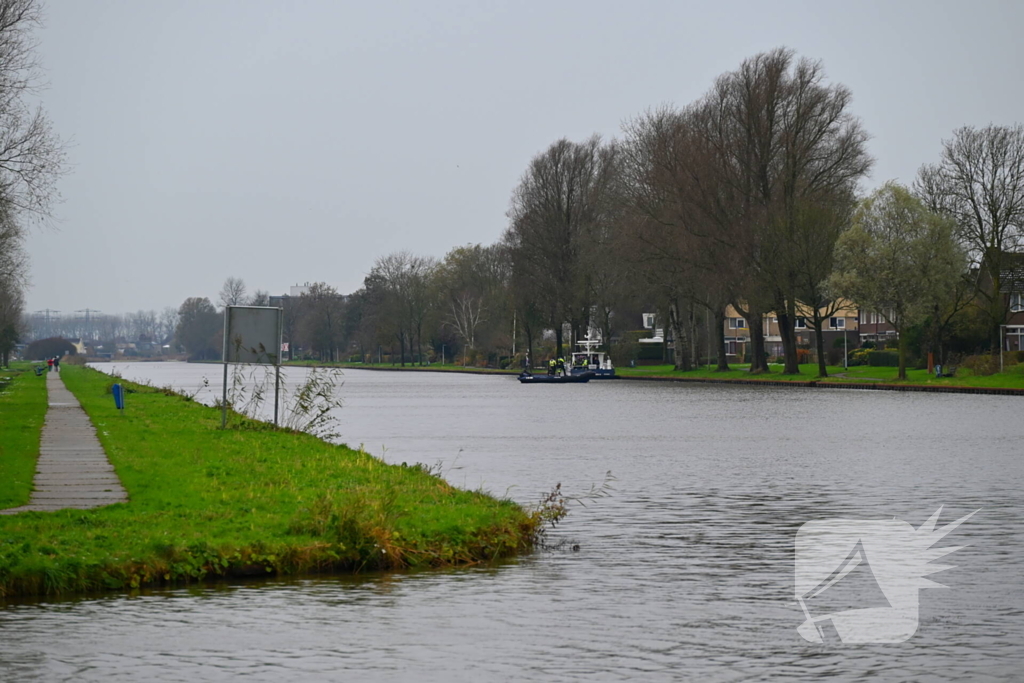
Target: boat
[529, 378]
[589, 359]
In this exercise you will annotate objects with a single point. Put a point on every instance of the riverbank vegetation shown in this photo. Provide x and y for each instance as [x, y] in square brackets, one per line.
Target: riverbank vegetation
[206, 502]
[22, 411]
[734, 229]
[737, 222]
[1011, 378]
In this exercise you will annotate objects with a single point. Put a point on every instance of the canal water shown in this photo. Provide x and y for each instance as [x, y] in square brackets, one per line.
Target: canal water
[685, 572]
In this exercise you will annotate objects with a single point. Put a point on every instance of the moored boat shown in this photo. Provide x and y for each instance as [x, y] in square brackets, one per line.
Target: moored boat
[589, 359]
[527, 378]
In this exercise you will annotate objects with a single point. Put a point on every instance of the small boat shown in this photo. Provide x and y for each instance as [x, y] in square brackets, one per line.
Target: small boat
[527, 378]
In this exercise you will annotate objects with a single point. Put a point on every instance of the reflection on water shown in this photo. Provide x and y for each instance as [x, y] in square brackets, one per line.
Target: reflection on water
[686, 572]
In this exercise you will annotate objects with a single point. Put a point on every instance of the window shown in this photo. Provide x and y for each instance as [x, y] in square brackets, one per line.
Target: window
[837, 323]
[1017, 302]
[738, 323]
[863, 317]
[800, 324]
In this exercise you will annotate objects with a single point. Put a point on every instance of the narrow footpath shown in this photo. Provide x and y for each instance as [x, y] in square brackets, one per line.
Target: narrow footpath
[73, 470]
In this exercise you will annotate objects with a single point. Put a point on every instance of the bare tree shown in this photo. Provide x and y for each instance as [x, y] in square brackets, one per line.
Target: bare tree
[31, 154]
[233, 292]
[566, 193]
[979, 183]
[168, 323]
[322, 319]
[260, 297]
[472, 287]
[399, 291]
[783, 139]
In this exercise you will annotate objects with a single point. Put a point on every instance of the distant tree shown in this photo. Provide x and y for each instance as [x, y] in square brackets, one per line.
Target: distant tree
[233, 292]
[323, 319]
[260, 297]
[777, 138]
[12, 305]
[558, 208]
[472, 289]
[168, 324]
[979, 183]
[398, 289]
[198, 328]
[899, 259]
[52, 347]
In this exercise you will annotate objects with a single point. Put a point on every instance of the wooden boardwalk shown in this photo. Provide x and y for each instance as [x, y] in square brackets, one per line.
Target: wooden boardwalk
[73, 470]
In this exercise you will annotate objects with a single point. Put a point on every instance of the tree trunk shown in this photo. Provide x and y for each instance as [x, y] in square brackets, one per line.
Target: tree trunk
[680, 355]
[558, 340]
[819, 344]
[758, 358]
[787, 330]
[723, 360]
[903, 357]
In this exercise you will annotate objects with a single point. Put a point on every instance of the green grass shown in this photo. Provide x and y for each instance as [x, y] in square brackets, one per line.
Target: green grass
[451, 367]
[22, 410]
[251, 499]
[1012, 378]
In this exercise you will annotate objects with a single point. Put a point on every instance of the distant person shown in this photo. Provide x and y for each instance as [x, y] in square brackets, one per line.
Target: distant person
[56, 363]
[49, 365]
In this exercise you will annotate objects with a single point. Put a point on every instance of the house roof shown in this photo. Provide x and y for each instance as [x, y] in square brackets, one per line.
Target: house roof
[1011, 275]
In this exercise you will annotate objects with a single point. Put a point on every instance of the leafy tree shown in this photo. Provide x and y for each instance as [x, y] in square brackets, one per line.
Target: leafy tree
[899, 259]
[199, 325]
[42, 349]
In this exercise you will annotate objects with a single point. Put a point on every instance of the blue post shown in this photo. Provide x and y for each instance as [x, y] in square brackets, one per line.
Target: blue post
[118, 392]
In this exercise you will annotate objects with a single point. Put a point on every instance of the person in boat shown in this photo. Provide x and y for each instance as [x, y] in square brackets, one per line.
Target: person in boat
[551, 367]
[561, 366]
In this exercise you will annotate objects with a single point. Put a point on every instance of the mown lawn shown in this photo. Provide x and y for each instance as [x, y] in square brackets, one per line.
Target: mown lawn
[1013, 377]
[22, 411]
[250, 499]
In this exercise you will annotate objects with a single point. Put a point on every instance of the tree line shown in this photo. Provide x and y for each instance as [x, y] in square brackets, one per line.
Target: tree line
[31, 161]
[750, 197]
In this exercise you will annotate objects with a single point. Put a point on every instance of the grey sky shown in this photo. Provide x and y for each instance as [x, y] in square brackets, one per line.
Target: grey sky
[286, 142]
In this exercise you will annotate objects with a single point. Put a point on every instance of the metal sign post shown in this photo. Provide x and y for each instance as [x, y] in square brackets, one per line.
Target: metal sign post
[252, 334]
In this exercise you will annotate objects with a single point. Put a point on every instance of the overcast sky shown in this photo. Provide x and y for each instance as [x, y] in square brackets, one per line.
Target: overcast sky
[285, 142]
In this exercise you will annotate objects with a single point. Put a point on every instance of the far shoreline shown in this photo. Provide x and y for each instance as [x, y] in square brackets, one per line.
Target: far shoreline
[769, 380]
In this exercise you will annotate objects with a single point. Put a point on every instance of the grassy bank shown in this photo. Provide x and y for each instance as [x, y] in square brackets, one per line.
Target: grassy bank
[433, 367]
[1012, 378]
[248, 500]
[22, 410]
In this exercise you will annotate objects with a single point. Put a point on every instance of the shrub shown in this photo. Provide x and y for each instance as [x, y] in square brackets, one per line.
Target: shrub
[884, 359]
[982, 365]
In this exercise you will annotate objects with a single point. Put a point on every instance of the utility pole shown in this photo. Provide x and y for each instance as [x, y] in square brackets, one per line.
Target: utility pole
[88, 320]
[49, 327]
